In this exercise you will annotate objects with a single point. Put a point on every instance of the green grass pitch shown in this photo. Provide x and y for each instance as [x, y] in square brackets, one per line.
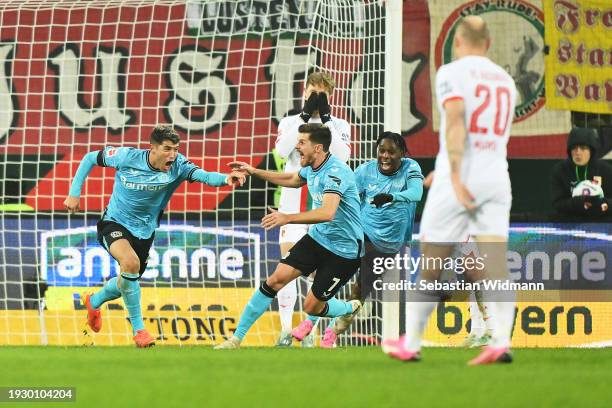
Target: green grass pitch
[344, 377]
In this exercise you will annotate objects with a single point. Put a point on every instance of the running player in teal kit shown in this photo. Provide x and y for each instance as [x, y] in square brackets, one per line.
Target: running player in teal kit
[334, 243]
[390, 187]
[144, 182]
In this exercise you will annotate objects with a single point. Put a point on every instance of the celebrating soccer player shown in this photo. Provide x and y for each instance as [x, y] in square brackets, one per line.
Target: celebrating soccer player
[144, 182]
[319, 88]
[390, 188]
[470, 193]
[334, 242]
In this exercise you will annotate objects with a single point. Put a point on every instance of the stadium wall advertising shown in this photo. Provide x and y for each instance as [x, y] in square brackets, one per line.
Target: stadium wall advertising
[580, 58]
[99, 78]
[200, 278]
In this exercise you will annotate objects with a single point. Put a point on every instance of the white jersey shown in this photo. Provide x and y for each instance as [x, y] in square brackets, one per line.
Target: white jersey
[293, 200]
[489, 95]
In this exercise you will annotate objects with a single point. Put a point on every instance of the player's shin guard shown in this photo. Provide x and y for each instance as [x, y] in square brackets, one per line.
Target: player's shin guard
[287, 297]
[110, 291]
[259, 303]
[418, 310]
[130, 291]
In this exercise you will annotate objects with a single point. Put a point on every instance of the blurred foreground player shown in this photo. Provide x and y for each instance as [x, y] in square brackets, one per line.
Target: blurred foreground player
[480, 327]
[470, 194]
[144, 182]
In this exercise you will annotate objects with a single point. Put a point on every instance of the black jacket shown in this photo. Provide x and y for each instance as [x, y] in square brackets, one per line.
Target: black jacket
[571, 209]
[566, 175]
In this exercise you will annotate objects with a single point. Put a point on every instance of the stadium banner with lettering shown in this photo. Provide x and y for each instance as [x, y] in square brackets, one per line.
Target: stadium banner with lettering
[517, 44]
[192, 316]
[99, 78]
[65, 253]
[537, 324]
[199, 278]
[579, 61]
[207, 316]
[197, 281]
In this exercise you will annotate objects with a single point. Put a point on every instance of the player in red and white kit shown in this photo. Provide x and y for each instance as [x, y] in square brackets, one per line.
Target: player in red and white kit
[318, 92]
[470, 193]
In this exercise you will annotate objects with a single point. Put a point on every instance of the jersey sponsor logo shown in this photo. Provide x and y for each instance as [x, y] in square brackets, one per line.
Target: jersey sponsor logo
[116, 234]
[111, 152]
[141, 186]
[518, 54]
[372, 186]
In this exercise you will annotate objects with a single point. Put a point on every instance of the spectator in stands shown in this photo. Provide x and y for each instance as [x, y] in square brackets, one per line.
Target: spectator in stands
[582, 185]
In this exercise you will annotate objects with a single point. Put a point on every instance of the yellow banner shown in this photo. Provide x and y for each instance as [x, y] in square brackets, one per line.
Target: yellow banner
[543, 324]
[207, 316]
[172, 315]
[579, 62]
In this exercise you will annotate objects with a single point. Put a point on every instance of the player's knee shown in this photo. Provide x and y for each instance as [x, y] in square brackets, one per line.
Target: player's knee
[312, 306]
[276, 281]
[130, 265]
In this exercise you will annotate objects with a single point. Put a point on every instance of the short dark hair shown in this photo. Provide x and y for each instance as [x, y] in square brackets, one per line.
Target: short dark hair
[317, 133]
[163, 132]
[395, 138]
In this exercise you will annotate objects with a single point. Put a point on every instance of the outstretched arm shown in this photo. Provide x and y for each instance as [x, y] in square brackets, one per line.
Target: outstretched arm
[214, 179]
[325, 213]
[282, 179]
[72, 201]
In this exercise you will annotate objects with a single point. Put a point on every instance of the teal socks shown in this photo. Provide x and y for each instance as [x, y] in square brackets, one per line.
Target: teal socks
[109, 291]
[337, 308]
[258, 304]
[130, 291]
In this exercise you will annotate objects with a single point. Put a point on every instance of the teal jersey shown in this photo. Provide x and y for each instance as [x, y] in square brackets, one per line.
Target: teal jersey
[390, 226]
[141, 192]
[343, 235]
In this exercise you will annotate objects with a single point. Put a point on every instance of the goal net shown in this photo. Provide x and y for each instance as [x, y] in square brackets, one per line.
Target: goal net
[78, 76]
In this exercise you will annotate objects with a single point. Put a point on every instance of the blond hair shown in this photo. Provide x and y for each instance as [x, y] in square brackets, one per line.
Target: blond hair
[321, 79]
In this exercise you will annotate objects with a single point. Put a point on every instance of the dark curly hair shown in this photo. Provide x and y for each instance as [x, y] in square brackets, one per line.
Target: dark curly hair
[395, 138]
